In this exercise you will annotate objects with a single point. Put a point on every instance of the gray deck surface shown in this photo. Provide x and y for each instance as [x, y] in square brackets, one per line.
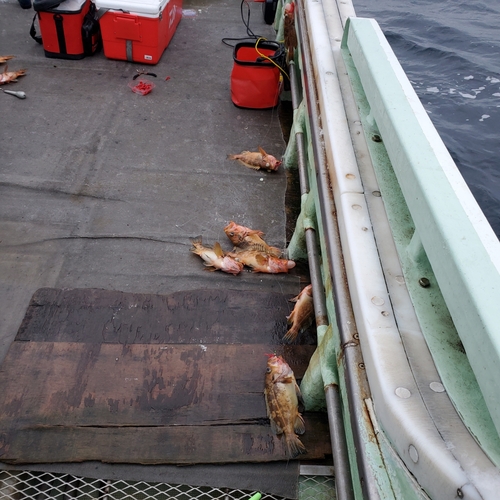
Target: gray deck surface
[103, 188]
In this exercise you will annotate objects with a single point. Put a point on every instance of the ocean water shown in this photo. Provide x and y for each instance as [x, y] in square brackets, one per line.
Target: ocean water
[450, 51]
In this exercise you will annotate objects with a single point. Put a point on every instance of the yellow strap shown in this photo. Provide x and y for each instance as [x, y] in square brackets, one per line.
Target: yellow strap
[268, 58]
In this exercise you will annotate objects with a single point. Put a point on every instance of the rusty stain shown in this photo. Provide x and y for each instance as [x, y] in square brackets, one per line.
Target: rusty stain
[13, 407]
[89, 401]
[322, 320]
[113, 405]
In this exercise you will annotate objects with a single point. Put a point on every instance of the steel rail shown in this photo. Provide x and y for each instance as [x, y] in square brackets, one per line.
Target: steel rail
[356, 384]
[343, 479]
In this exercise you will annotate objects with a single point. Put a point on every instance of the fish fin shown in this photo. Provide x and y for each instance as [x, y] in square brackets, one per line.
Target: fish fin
[258, 233]
[294, 299]
[299, 427]
[262, 152]
[196, 242]
[283, 379]
[261, 259]
[218, 249]
[299, 395]
[257, 247]
[253, 167]
[290, 335]
[294, 446]
[209, 268]
[275, 252]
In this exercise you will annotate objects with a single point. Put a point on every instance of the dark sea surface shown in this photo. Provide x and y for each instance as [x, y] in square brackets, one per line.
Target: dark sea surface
[450, 51]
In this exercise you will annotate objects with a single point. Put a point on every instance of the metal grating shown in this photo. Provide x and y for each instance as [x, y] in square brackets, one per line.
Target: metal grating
[316, 488]
[28, 485]
[32, 485]
[317, 482]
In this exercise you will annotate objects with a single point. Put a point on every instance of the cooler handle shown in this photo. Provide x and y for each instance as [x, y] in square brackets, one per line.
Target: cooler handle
[33, 34]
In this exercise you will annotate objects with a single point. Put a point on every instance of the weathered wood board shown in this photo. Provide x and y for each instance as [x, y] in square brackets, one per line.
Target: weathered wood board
[106, 316]
[71, 392]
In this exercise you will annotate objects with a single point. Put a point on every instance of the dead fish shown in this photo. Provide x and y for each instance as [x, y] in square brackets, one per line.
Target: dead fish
[256, 160]
[214, 258]
[302, 314]
[10, 76]
[247, 238]
[261, 262]
[282, 396]
[5, 59]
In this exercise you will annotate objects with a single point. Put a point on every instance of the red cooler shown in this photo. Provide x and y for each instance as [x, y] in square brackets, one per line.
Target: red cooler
[69, 30]
[138, 30]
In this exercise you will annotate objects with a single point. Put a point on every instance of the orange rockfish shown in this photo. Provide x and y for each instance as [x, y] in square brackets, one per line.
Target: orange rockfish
[302, 314]
[282, 402]
[261, 262]
[256, 160]
[247, 238]
[214, 258]
[10, 76]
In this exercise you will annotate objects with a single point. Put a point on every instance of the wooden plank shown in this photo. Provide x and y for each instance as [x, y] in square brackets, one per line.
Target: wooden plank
[79, 384]
[142, 403]
[206, 316]
[59, 383]
[154, 445]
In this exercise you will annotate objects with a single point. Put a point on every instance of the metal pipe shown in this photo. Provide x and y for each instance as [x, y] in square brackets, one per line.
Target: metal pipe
[310, 234]
[343, 478]
[356, 387]
[299, 136]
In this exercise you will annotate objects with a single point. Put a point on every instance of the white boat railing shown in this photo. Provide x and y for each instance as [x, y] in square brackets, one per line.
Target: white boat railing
[399, 233]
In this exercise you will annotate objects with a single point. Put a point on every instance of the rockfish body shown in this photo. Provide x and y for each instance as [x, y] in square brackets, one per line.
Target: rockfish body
[282, 396]
[257, 160]
[10, 76]
[214, 258]
[261, 262]
[250, 239]
[302, 315]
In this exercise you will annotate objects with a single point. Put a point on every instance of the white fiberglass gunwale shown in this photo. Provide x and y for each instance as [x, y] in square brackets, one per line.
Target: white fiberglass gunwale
[412, 412]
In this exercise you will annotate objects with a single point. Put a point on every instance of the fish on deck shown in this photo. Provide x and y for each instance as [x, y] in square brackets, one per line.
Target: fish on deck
[302, 315]
[282, 396]
[10, 76]
[257, 160]
[249, 239]
[215, 258]
[261, 262]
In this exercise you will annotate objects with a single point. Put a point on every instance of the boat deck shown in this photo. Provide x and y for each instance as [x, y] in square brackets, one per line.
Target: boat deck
[103, 189]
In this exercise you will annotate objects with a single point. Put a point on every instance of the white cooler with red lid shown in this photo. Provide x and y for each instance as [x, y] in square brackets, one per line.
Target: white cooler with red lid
[138, 30]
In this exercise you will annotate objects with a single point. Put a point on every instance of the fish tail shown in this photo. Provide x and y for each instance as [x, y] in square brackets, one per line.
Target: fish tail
[294, 446]
[196, 242]
[291, 335]
[232, 157]
[275, 252]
